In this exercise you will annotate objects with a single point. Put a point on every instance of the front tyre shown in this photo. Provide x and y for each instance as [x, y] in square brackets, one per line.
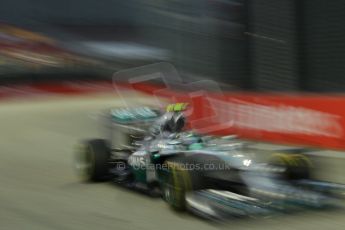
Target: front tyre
[174, 189]
[92, 160]
[178, 182]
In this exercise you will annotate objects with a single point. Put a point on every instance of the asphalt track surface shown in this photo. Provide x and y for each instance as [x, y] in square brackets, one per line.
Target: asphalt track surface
[39, 189]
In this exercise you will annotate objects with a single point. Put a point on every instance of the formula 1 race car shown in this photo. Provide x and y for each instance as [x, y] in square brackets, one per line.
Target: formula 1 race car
[215, 177]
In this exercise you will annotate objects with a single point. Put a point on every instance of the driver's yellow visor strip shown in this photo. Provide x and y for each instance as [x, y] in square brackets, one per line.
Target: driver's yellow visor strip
[177, 107]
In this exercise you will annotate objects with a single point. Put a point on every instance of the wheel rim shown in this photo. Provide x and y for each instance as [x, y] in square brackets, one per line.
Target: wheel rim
[167, 194]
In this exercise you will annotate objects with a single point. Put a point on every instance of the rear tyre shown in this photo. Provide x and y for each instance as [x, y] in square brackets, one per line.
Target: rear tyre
[92, 160]
[296, 166]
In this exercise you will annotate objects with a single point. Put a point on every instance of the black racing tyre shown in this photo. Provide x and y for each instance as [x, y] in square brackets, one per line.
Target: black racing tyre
[92, 160]
[296, 166]
[178, 182]
[174, 189]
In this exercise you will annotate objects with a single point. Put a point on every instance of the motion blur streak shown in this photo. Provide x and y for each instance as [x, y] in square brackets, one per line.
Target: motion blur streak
[57, 60]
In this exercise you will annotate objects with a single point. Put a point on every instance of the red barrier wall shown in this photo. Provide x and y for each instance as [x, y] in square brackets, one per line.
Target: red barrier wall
[304, 119]
[298, 119]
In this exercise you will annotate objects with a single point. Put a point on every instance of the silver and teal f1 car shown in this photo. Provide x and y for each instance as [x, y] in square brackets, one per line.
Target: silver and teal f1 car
[150, 150]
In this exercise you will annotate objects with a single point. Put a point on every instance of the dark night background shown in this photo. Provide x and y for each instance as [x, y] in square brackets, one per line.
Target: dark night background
[264, 45]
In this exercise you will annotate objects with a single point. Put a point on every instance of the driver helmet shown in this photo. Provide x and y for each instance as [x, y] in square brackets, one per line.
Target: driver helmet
[173, 121]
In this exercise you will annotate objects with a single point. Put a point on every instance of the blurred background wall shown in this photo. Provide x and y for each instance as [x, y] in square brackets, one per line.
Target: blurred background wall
[263, 45]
